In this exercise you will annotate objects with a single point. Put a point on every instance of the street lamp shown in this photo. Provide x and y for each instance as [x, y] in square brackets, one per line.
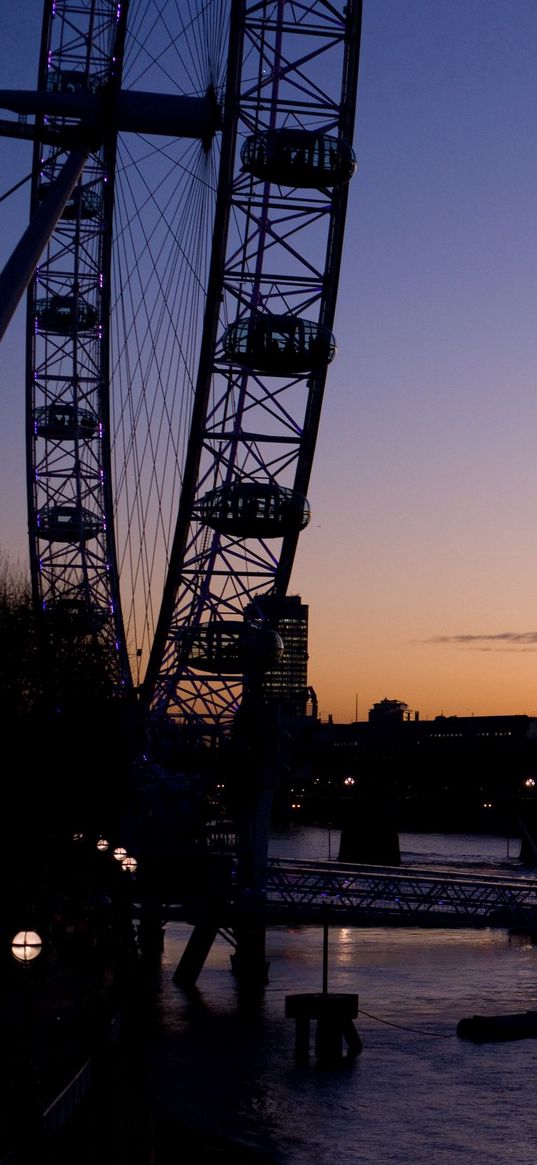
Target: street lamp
[120, 853]
[103, 845]
[26, 946]
[130, 865]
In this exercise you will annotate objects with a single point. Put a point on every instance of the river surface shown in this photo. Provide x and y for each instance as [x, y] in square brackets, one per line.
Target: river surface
[417, 1094]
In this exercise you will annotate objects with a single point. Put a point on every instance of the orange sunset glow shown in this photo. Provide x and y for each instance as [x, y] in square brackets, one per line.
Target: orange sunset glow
[419, 565]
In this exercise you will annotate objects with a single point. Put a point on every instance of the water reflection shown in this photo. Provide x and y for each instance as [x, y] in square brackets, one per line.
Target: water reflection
[417, 1093]
[232, 1070]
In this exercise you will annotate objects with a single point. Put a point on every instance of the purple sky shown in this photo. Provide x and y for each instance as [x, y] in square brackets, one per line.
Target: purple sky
[420, 563]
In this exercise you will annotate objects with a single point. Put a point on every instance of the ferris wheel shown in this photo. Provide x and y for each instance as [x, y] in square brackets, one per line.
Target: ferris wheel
[179, 327]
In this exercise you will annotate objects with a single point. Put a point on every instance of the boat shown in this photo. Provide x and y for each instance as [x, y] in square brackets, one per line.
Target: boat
[484, 1029]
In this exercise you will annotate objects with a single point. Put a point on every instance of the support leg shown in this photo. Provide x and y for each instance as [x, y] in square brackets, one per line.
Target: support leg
[195, 953]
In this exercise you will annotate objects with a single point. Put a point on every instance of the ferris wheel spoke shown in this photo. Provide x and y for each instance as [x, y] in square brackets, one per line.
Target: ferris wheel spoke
[179, 328]
[283, 251]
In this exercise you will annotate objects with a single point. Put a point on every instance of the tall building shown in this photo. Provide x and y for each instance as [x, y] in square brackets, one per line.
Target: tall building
[288, 680]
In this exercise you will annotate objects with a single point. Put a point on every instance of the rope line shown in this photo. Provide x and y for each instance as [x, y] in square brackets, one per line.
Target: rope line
[403, 1027]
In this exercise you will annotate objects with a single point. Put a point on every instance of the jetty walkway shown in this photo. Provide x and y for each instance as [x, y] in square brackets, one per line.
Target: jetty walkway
[403, 896]
[353, 895]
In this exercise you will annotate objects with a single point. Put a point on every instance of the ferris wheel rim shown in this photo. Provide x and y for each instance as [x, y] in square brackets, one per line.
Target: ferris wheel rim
[39, 515]
[244, 456]
[181, 626]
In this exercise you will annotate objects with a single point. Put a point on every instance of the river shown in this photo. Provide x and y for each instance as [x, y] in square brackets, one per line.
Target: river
[416, 1095]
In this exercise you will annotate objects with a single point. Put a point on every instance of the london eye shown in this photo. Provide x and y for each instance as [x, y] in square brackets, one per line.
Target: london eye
[180, 324]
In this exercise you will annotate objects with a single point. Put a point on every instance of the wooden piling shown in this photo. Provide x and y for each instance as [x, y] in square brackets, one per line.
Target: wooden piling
[334, 1013]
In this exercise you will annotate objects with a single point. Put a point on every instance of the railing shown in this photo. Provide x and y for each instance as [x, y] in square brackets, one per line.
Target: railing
[64, 1105]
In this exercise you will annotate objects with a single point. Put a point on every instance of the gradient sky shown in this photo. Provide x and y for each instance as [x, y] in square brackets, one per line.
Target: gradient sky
[420, 563]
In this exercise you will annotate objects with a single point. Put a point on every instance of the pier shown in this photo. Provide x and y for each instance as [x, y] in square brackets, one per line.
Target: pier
[351, 895]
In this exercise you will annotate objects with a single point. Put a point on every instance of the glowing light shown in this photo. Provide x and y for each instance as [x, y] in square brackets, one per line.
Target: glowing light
[120, 853]
[130, 865]
[103, 844]
[26, 946]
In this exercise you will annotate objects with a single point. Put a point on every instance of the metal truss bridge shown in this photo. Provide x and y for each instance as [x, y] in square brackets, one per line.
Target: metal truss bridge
[298, 892]
[328, 893]
[347, 895]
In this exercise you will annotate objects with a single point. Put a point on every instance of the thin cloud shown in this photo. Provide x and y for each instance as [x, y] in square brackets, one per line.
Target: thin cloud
[500, 641]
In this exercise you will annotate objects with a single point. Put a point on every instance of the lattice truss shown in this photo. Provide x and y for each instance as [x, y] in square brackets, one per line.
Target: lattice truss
[70, 520]
[375, 892]
[137, 408]
[282, 257]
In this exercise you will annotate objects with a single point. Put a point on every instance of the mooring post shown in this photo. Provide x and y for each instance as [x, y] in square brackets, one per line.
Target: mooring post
[334, 1014]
